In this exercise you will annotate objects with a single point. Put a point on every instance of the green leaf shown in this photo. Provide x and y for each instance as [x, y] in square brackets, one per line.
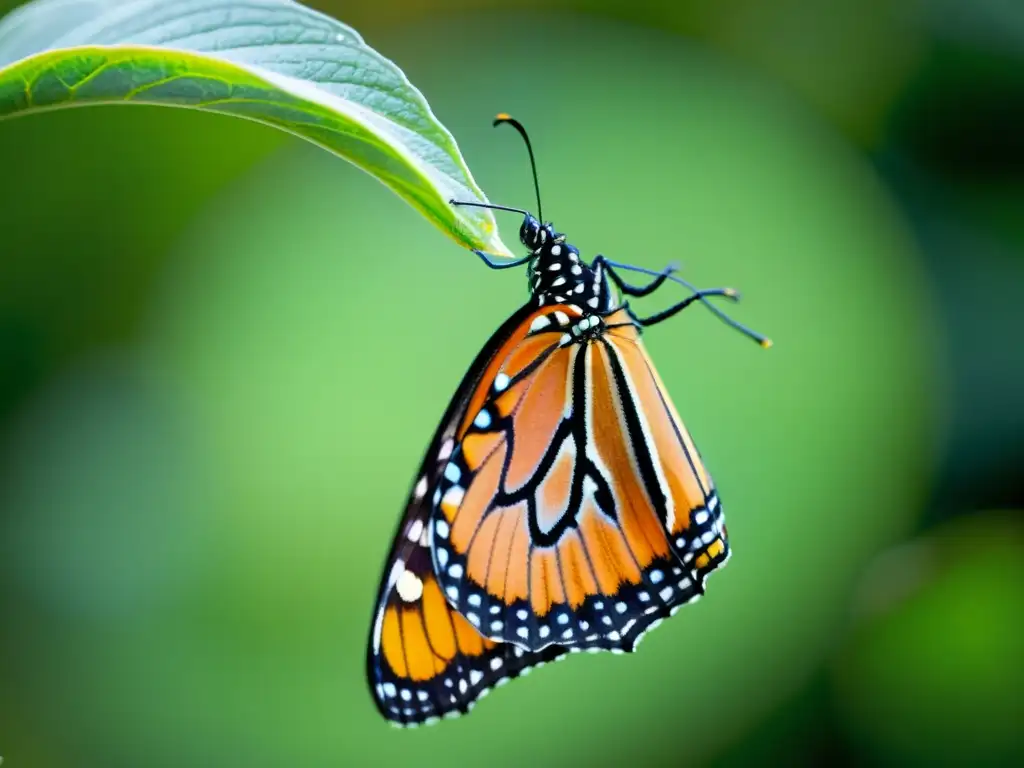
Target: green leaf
[272, 61]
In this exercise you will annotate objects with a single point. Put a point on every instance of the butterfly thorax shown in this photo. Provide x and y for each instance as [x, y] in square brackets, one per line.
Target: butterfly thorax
[558, 275]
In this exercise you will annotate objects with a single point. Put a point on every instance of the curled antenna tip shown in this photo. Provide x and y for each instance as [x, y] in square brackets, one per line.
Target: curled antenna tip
[732, 293]
[503, 117]
[767, 343]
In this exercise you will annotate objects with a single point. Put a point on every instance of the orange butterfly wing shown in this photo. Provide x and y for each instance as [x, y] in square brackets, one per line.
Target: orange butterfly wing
[574, 508]
[424, 660]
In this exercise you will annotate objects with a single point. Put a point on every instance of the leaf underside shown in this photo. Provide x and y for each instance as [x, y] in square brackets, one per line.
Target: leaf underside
[272, 61]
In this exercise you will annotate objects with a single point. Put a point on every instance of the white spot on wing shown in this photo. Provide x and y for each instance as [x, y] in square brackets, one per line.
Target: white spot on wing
[453, 498]
[415, 530]
[409, 586]
[540, 323]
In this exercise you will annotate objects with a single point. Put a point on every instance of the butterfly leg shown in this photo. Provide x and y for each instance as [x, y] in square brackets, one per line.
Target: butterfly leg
[666, 274]
[665, 314]
[634, 290]
[502, 264]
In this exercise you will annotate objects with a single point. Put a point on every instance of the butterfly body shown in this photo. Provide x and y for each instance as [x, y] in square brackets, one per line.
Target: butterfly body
[557, 274]
[561, 506]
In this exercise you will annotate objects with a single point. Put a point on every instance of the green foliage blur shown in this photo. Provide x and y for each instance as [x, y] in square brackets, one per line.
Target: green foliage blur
[223, 351]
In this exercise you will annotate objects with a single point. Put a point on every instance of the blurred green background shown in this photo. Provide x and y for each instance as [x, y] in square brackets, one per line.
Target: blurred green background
[222, 352]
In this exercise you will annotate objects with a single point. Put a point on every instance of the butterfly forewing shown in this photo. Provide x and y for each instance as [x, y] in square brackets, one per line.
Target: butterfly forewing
[574, 508]
[424, 659]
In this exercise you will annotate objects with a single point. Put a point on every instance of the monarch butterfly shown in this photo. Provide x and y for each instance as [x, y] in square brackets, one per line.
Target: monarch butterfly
[561, 505]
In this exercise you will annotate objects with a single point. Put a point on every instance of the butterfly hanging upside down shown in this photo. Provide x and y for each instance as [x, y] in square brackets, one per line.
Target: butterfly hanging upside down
[561, 506]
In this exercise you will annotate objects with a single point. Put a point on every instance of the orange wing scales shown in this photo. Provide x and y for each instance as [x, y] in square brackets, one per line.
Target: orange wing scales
[426, 661]
[574, 510]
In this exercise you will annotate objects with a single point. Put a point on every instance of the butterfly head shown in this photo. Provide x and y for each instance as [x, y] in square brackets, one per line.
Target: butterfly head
[535, 235]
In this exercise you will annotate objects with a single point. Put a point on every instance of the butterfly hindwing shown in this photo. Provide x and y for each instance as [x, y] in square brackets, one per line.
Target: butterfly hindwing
[428, 661]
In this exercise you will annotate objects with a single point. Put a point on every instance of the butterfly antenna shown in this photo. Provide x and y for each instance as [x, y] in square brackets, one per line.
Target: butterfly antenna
[761, 339]
[491, 206]
[500, 118]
